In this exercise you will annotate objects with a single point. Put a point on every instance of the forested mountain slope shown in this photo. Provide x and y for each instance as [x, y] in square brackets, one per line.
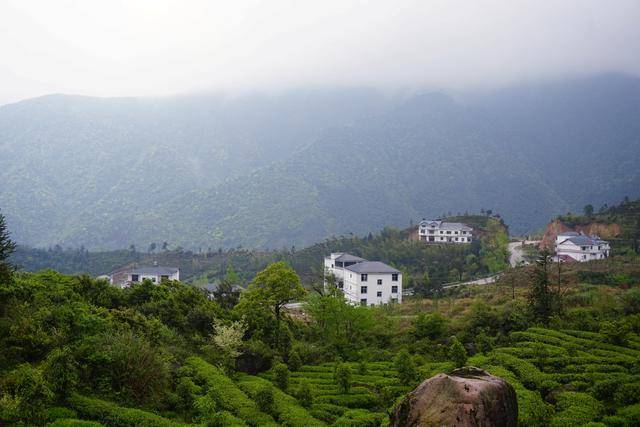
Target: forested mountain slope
[274, 172]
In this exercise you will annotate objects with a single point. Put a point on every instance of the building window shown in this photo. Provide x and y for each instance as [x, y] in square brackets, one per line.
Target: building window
[153, 279]
[448, 232]
[442, 232]
[363, 301]
[340, 284]
[394, 289]
[379, 293]
[163, 278]
[363, 277]
[379, 281]
[456, 232]
[363, 289]
[394, 277]
[456, 239]
[135, 278]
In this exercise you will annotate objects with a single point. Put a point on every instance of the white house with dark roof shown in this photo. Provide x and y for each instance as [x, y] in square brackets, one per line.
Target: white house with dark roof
[364, 282]
[437, 231]
[128, 276]
[573, 246]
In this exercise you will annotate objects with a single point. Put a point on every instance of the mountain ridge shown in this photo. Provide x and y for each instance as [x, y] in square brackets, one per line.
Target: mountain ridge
[269, 172]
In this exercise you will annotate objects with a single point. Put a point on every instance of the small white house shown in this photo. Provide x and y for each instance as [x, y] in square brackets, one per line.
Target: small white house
[127, 277]
[444, 232]
[364, 282]
[573, 246]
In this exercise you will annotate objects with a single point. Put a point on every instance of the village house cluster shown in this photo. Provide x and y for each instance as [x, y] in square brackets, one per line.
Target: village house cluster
[364, 282]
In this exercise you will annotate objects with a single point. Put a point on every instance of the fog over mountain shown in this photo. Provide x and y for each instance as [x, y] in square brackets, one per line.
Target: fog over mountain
[160, 47]
[297, 167]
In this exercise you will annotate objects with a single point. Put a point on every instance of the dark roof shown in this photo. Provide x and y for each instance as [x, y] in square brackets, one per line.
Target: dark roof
[371, 267]
[443, 225]
[348, 258]
[154, 271]
[584, 240]
[569, 233]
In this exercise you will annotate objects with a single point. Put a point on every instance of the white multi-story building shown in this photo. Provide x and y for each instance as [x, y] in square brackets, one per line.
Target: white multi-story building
[444, 232]
[364, 282]
[128, 276]
[573, 246]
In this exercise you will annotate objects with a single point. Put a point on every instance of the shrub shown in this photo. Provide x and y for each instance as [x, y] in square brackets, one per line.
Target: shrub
[25, 395]
[264, 398]
[284, 407]
[576, 409]
[303, 394]
[631, 414]
[343, 377]
[61, 371]
[457, 353]
[224, 419]
[230, 397]
[406, 368]
[294, 361]
[615, 332]
[281, 376]
[359, 418]
[527, 373]
[72, 422]
[627, 394]
[58, 412]
[117, 416]
[603, 390]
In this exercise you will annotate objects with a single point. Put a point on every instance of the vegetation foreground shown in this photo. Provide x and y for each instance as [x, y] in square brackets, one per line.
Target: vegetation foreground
[80, 352]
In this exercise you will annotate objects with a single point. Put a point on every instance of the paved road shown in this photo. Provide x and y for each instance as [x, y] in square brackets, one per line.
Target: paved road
[516, 252]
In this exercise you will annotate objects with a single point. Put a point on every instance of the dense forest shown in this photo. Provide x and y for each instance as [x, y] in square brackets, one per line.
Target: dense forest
[267, 171]
[399, 248]
[79, 352]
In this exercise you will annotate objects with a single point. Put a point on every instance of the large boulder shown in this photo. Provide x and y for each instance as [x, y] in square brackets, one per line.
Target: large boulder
[467, 397]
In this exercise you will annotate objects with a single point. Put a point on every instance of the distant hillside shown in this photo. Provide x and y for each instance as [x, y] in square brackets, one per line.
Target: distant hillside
[271, 172]
[619, 224]
[443, 262]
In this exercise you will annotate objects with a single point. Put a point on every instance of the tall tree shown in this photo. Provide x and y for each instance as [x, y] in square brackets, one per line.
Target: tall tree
[541, 297]
[7, 246]
[273, 288]
[588, 211]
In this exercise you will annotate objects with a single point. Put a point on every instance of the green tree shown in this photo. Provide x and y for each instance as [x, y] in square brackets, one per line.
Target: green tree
[227, 340]
[406, 368]
[541, 297]
[588, 211]
[432, 326]
[281, 376]
[61, 371]
[25, 396]
[273, 288]
[7, 246]
[457, 353]
[226, 294]
[231, 276]
[294, 360]
[343, 377]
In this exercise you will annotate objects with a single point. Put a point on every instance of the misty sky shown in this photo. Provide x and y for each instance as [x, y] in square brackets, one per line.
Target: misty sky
[157, 47]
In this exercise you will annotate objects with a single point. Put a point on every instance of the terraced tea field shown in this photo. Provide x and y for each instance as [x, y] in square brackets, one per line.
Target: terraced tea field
[569, 378]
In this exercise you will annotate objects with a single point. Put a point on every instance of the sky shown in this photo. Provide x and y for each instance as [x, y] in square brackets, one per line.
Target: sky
[162, 47]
